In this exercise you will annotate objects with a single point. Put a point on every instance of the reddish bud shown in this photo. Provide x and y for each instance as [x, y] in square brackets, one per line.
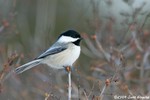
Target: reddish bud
[5, 23]
[146, 33]
[107, 82]
[138, 57]
[94, 37]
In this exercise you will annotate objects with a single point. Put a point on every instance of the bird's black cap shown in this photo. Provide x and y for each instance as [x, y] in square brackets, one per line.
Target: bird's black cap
[71, 33]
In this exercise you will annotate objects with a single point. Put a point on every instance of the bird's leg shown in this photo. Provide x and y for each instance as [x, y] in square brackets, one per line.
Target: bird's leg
[68, 69]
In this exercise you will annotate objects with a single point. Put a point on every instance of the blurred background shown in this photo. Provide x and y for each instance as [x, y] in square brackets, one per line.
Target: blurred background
[115, 58]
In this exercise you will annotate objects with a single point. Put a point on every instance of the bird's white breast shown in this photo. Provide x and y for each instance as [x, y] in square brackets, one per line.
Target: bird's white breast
[64, 58]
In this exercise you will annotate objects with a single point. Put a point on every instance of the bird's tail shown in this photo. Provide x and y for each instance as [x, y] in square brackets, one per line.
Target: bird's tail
[27, 66]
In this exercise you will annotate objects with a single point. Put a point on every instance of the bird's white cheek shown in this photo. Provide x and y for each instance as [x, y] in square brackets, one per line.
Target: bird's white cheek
[67, 39]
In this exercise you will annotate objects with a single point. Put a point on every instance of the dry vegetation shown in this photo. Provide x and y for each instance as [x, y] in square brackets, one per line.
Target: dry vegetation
[113, 61]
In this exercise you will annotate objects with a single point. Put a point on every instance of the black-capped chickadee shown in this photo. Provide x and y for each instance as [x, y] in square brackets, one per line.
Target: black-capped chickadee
[64, 52]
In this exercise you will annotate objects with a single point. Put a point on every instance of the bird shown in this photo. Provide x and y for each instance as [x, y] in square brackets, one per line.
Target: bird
[64, 52]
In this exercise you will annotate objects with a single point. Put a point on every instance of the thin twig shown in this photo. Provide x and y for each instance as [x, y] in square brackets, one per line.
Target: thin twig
[145, 59]
[69, 87]
[147, 16]
[137, 43]
[92, 48]
[68, 69]
[101, 95]
[106, 55]
[85, 94]
[47, 95]
[92, 89]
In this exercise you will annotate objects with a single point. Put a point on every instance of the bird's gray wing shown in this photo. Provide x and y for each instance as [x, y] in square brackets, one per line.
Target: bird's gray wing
[51, 51]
